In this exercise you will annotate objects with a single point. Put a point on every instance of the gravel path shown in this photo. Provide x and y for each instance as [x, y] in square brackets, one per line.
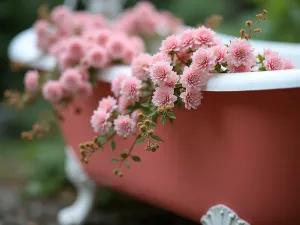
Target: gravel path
[17, 210]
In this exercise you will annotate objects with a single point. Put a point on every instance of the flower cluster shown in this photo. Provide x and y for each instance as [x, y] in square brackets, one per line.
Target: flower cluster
[176, 75]
[144, 19]
[84, 43]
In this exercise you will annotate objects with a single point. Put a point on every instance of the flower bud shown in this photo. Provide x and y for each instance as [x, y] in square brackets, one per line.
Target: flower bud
[248, 23]
[264, 11]
[257, 30]
[160, 110]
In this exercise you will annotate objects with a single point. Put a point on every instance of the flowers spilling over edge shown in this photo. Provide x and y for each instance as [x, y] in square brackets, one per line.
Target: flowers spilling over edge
[173, 77]
[82, 44]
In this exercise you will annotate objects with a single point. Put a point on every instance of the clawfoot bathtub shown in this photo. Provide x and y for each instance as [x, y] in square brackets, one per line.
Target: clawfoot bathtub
[232, 161]
[239, 149]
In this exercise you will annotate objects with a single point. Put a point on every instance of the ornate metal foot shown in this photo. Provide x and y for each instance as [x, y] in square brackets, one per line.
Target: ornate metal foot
[78, 212]
[222, 215]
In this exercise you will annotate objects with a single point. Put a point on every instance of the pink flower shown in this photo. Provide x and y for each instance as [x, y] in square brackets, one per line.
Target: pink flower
[193, 78]
[204, 59]
[66, 60]
[161, 57]
[240, 52]
[171, 80]
[102, 36]
[171, 44]
[287, 64]
[75, 48]
[138, 43]
[130, 88]
[140, 65]
[159, 72]
[84, 90]
[204, 37]
[164, 96]
[100, 122]
[60, 13]
[53, 91]
[273, 61]
[116, 84]
[191, 98]
[129, 54]
[123, 103]
[220, 53]
[97, 58]
[108, 104]
[135, 115]
[70, 80]
[41, 27]
[239, 69]
[187, 39]
[31, 81]
[124, 125]
[116, 47]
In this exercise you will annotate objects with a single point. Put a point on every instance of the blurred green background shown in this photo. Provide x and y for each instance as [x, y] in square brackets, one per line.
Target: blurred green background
[40, 164]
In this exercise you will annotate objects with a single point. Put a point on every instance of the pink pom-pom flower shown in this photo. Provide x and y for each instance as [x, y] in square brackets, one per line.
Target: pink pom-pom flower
[204, 37]
[97, 57]
[140, 65]
[130, 88]
[193, 78]
[170, 44]
[239, 69]
[187, 39]
[159, 72]
[100, 122]
[164, 96]
[70, 80]
[204, 59]
[84, 90]
[273, 61]
[124, 125]
[191, 98]
[240, 52]
[53, 91]
[31, 81]
[116, 84]
[108, 104]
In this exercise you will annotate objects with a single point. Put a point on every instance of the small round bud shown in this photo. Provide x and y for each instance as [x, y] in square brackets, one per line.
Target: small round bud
[257, 30]
[150, 132]
[143, 128]
[148, 122]
[36, 127]
[160, 110]
[248, 23]
[141, 115]
[264, 11]
[168, 107]
[115, 171]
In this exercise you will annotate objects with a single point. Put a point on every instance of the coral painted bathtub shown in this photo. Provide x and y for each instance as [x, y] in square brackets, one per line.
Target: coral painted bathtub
[233, 161]
[241, 149]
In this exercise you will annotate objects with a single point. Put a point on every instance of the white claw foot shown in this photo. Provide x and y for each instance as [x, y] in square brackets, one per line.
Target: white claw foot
[221, 215]
[78, 212]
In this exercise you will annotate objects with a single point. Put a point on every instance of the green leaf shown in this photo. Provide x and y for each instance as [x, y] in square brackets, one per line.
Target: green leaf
[114, 160]
[145, 105]
[124, 155]
[102, 139]
[262, 69]
[156, 137]
[218, 67]
[113, 145]
[171, 115]
[136, 158]
[154, 117]
[152, 113]
[260, 57]
[127, 163]
[140, 140]
[163, 119]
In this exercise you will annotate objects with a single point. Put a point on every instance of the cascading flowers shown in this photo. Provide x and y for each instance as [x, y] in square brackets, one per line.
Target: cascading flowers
[174, 76]
[83, 44]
